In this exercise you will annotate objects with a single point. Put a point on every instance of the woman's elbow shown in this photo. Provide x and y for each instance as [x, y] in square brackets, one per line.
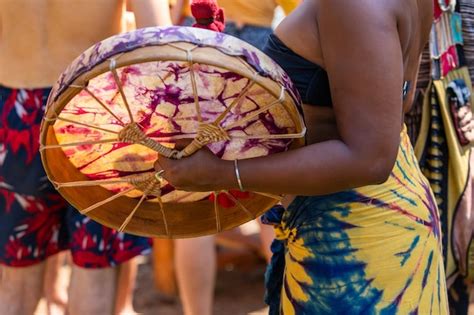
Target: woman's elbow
[376, 160]
[379, 170]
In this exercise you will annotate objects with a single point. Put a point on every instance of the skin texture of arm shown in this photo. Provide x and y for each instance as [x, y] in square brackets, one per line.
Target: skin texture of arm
[150, 12]
[365, 67]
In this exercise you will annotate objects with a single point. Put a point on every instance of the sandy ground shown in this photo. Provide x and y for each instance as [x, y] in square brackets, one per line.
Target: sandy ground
[239, 285]
[238, 291]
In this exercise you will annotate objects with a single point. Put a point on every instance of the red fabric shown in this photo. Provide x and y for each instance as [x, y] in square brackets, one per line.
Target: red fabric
[208, 15]
[449, 60]
[225, 201]
[35, 222]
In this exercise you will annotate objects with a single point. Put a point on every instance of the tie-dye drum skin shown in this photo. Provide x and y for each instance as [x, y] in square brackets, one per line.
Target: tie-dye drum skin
[131, 97]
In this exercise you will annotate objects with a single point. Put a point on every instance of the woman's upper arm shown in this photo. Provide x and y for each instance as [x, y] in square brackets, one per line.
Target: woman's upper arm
[363, 57]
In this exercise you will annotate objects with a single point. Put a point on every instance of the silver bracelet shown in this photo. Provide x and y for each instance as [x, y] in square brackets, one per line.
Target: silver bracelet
[237, 175]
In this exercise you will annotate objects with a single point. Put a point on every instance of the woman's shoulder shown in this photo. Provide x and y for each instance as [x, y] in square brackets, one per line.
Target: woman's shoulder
[394, 16]
[387, 8]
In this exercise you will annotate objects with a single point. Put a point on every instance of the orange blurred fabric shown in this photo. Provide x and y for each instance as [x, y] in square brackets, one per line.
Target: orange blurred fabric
[258, 13]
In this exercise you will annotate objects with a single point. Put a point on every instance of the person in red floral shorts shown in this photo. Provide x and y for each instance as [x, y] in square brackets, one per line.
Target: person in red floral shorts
[33, 214]
[37, 41]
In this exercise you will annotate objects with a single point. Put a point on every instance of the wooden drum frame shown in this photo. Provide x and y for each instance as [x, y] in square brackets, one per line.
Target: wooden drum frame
[139, 207]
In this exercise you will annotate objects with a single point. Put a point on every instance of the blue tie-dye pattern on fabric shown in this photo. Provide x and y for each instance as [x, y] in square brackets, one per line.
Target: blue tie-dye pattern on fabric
[276, 268]
[371, 250]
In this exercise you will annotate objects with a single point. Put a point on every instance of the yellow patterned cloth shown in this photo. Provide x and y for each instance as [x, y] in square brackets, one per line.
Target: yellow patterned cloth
[371, 250]
[446, 165]
[437, 130]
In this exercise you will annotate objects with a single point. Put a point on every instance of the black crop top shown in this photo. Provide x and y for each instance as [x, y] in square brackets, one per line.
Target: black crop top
[310, 79]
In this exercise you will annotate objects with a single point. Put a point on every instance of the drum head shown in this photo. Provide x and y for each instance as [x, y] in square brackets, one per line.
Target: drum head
[133, 95]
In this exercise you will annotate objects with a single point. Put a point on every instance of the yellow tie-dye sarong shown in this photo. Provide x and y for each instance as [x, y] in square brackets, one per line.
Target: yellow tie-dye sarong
[370, 250]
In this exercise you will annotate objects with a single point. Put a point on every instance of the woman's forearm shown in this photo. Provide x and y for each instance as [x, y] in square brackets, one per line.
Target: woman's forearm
[314, 170]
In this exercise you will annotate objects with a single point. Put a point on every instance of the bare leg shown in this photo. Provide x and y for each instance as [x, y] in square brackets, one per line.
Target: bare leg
[92, 291]
[21, 289]
[127, 273]
[54, 291]
[196, 273]
[267, 234]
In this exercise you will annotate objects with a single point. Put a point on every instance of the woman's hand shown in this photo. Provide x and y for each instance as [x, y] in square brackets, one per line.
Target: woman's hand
[202, 171]
[467, 123]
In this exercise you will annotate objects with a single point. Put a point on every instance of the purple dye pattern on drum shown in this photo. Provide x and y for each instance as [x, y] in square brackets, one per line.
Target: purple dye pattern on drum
[147, 95]
[155, 36]
[162, 102]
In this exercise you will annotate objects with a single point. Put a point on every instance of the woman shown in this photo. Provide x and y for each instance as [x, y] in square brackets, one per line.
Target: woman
[362, 235]
[195, 258]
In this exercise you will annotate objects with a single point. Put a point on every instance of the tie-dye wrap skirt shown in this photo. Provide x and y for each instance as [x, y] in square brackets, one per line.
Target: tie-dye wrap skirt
[370, 250]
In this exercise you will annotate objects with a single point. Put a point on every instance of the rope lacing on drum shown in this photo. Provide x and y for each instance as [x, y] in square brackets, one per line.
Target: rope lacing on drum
[207, 133]
[210, 132]
[113, 70]
[131, 133]
[147, 183]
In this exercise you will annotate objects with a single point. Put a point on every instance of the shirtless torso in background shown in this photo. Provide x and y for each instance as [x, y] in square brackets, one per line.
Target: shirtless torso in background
[36, 49]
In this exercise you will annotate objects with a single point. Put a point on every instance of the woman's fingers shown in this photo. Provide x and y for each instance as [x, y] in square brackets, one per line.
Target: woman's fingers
[466, 117]
[198, 172]
[182, 143]
[157, 164]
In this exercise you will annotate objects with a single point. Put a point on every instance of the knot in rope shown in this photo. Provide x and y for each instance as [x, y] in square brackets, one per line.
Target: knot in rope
[147, 183]
[132, 133]
[209, 133]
